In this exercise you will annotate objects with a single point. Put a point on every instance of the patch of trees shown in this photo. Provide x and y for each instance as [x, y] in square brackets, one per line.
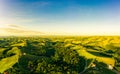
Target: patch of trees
[48, 58]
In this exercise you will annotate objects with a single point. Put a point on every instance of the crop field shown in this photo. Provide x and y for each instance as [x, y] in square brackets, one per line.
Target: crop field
[60, 55]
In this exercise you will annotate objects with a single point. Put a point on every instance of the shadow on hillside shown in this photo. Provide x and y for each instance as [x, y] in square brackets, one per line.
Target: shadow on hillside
[100, 54]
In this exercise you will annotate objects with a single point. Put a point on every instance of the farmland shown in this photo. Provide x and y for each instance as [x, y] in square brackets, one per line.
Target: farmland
[60, 55]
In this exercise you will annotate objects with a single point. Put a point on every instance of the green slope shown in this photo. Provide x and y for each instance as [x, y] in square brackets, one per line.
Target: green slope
[106, 60]
[8, 62]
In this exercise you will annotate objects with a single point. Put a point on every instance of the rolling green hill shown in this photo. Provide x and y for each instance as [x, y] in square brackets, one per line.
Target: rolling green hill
[60, 55]
[106, 60]
[8, 62]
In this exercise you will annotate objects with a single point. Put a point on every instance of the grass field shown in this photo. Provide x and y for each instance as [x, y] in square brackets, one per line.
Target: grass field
[8, 62]
[19, 44]
[106, 60]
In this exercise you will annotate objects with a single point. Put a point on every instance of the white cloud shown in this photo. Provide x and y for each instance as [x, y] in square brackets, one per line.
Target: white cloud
[10, 26]
[15, 26]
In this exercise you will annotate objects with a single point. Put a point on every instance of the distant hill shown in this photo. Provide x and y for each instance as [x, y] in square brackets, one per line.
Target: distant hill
[18, 32]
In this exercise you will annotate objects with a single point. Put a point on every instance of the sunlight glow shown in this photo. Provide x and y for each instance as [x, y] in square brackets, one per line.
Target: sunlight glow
[4, 26]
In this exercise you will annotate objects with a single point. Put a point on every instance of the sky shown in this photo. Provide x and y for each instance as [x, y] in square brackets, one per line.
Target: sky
[80, 17]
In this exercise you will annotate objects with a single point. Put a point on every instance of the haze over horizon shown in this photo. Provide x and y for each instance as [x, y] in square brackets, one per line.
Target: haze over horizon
[77, 17]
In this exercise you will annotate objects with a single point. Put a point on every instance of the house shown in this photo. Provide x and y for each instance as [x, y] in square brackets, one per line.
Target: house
[110, 67]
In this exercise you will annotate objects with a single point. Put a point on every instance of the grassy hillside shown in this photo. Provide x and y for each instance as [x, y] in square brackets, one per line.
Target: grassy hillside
[106, 60]
[8, 62]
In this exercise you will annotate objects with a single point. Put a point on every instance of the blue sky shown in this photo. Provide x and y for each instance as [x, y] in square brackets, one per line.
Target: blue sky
[63, 16]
